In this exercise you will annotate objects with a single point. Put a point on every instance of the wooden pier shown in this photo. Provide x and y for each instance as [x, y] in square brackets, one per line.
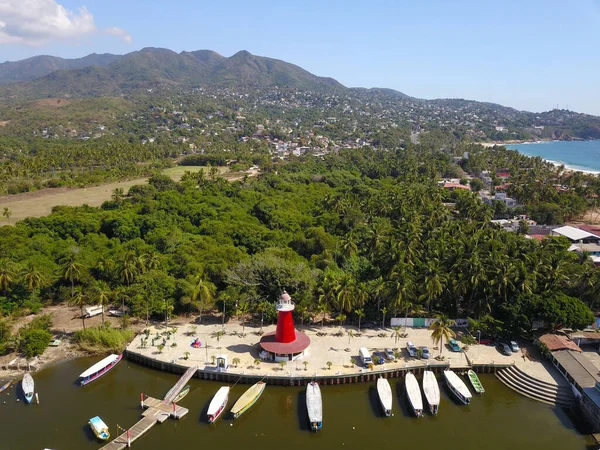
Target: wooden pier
[155, 411]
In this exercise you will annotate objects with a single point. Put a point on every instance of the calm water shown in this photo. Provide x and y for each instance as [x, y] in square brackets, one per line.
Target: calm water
[577, 155]
[499, 420]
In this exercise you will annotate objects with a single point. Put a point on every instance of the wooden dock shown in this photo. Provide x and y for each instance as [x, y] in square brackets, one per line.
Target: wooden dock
[155, 411]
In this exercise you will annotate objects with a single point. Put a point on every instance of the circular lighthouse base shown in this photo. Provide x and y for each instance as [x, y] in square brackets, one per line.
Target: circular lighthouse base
[276, 351]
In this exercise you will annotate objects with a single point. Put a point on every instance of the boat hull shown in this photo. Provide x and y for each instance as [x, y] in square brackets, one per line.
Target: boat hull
[431, 390]
[28, 387]
[244, 404]
[185, 391]
[384, 392]
[314, 405]
[451, 381]
[413, 392]
[218, 404]
[87, 380]
[475, 382]
[99, 428]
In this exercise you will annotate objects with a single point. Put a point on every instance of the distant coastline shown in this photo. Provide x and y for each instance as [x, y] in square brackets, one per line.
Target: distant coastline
[575, 156]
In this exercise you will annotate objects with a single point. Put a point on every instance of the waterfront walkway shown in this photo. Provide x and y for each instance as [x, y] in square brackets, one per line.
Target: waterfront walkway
[156, 411]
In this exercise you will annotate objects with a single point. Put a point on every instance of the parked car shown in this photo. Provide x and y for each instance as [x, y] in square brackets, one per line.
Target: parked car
[454, 345]
[411, 349]
[378, 358]
[514, 346]
[486, 340]
[369, 325]
[425, 352]
[504, 349]
[389, 354]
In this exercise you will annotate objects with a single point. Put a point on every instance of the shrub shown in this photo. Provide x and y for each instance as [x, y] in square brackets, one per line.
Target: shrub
[34, 341]
[103, 338]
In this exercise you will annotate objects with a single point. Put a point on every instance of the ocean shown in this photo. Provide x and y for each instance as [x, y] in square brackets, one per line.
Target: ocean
[575, 155]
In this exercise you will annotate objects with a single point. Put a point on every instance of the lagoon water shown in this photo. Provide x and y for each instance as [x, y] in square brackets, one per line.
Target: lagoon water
[498, 420]
[576, 155]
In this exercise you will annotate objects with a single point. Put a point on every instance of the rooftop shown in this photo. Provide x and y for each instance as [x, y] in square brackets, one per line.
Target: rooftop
[572, 233]
[581, 369]
[556, 342]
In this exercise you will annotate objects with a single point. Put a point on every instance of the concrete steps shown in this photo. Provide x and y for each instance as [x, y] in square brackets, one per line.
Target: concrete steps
[535, 389]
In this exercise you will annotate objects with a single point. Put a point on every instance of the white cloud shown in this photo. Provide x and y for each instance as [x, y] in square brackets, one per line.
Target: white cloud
[119, 32]
[37, 22]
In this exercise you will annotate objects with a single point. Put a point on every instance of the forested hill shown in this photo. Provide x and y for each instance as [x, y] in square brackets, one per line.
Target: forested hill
[154, 67]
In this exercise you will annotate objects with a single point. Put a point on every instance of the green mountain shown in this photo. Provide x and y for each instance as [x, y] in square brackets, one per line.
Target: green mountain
[153, 67]
[39, 66]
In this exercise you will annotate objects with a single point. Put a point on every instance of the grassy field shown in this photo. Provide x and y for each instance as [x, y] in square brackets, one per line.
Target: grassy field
[40, 203]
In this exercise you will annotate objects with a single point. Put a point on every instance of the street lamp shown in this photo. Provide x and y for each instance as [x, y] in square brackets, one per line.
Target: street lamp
[478, 343]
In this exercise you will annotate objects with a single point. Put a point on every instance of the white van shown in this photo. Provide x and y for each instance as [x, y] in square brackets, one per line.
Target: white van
[411, 349]
[365, 356]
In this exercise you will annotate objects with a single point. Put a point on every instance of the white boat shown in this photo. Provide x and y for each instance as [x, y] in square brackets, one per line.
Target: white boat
[217, 404]
[413, 391]
[384, 390]
[458, 387]
[431, 388]
[27, 385]
[314, 405]
[99, 369]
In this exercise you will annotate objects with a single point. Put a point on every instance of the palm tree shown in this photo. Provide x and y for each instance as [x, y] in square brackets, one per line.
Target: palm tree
[102, 295]
[241, 310]
[80, 300]
[7, 274]
[257, 362]
[261, 307]
[360, 313]
[33, 277]
[71, 269]
[396, 334]
[129, 267]
[323, 308]
[329, 364]
[383, 312]
[7, 213]
[305, 364]
[186, 355]
[441, 329]
[202, 295]
[282, 364]
[235, 361]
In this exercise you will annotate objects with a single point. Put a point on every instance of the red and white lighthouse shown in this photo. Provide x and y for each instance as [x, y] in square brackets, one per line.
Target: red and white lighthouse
[286, 343]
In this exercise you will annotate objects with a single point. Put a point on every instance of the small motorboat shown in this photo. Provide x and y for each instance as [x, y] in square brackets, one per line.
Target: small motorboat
[248, 399]
[431, 388]
[217, 404]
[28, 386]
[99, 428]
[413, 391]
[314, 405]
[5, 386]
[474, 379]
[185, 391]
[384, 391]
[458, 387]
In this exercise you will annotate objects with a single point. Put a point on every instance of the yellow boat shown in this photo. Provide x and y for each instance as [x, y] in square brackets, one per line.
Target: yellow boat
[99, 428]
[248, 399]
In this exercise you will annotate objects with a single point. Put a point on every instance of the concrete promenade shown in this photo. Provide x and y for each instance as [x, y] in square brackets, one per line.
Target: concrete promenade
[337, 350]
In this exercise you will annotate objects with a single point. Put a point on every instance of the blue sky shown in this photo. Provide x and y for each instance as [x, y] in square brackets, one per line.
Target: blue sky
[530, 54]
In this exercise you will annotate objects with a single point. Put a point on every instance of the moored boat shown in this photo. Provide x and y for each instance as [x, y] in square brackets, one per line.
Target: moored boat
[217, 404]
[458, 387]
[99, 369]
[5, 386]
[99, 428]
[413, 391]
[314, 405]
[27, 385]
[248, 399]
[474, 379]
[384, 391]
[185, 391]
[431, 388]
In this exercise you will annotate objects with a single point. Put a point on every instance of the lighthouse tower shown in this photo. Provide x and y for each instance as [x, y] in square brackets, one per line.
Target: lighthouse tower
[285, 322]
[285, 344]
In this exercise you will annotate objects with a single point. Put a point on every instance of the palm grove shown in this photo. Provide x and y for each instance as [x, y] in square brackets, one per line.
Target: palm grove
[366, 234]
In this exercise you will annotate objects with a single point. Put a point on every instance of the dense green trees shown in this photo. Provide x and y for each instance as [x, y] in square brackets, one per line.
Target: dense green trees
[354, 231]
